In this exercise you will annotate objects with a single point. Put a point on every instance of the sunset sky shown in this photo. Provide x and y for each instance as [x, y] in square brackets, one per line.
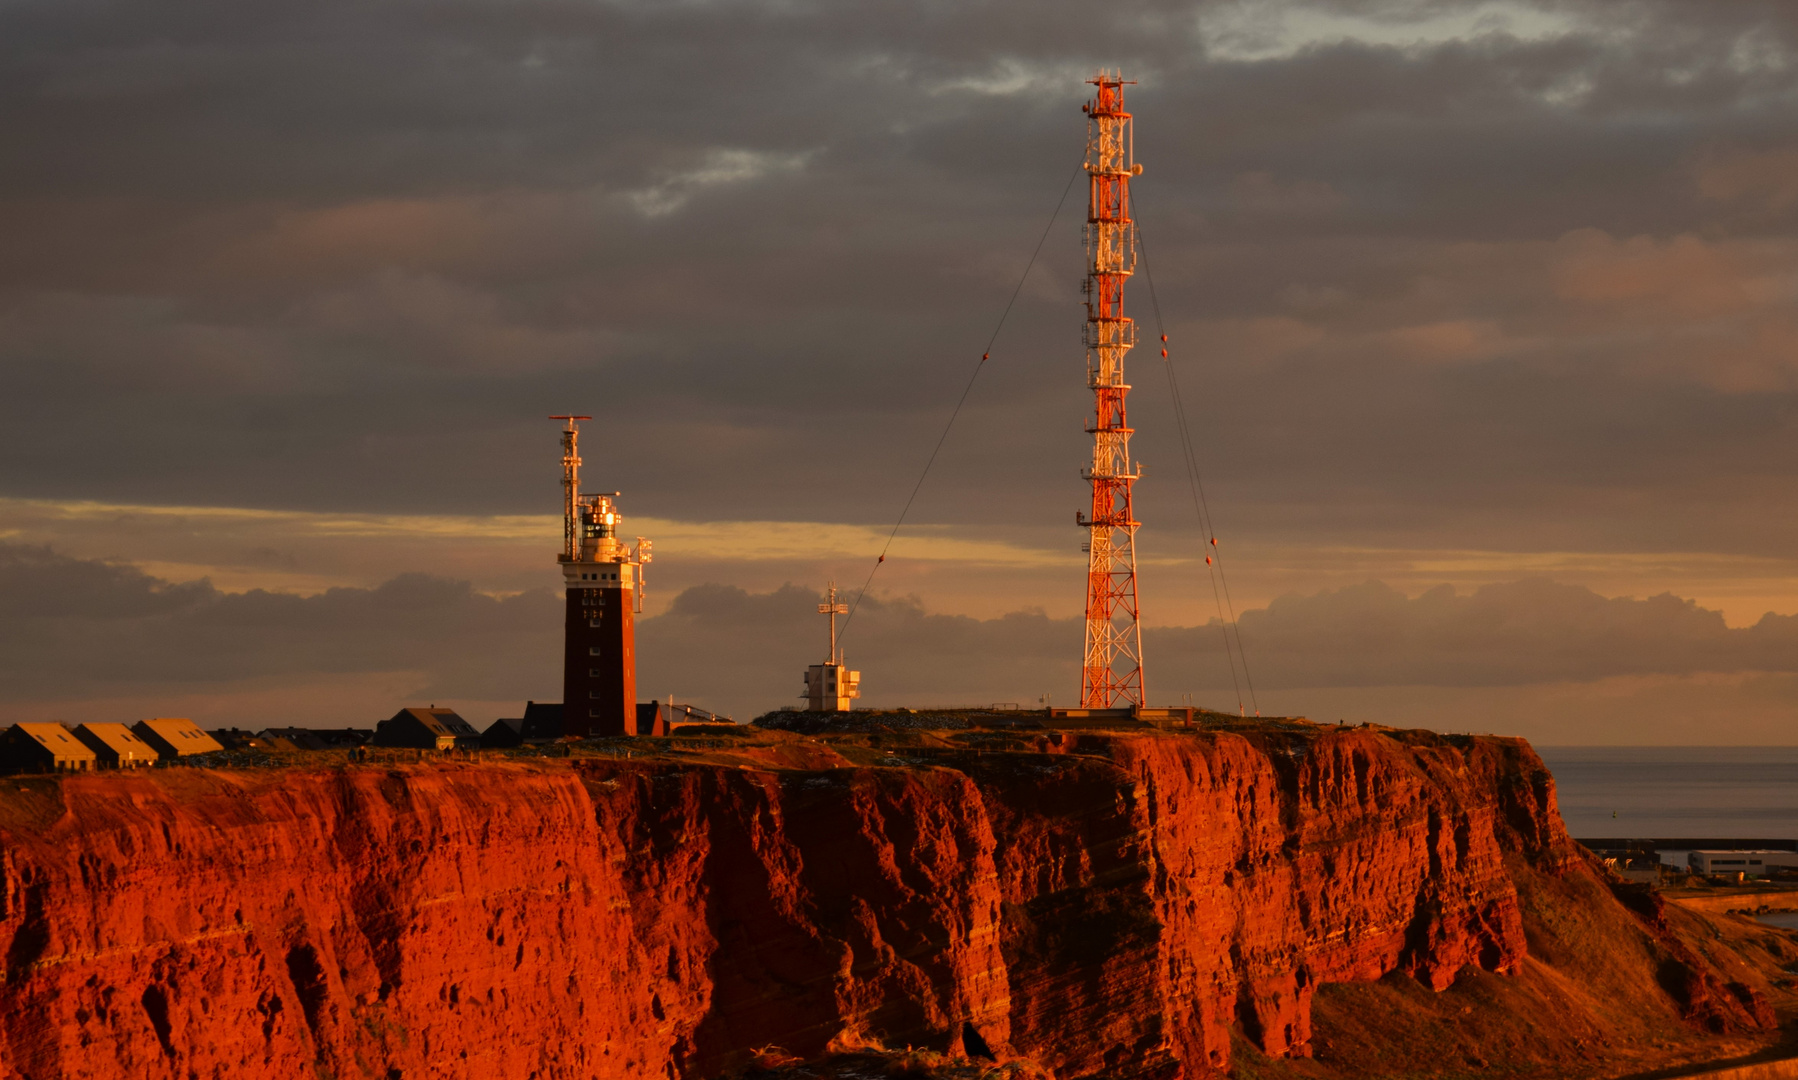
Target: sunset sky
[1484, 314]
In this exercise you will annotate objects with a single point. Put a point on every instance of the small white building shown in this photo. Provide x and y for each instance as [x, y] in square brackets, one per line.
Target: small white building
[831, 688]
[1751, 863]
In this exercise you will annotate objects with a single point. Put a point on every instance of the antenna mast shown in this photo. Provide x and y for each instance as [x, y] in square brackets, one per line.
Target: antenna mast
[833, 609]
[571, 487]
[1111, 673]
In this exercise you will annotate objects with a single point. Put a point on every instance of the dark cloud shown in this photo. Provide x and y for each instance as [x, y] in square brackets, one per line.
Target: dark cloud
[748, 651]
[39, 584]
[1518, 633]
[341, 256]
[75, 629]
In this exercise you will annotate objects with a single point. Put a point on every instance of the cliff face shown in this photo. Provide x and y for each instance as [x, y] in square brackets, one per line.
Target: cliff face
[1104, 904]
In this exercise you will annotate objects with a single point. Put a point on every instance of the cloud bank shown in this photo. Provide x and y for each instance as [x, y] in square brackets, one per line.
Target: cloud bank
[76, 629]
[1508, 276]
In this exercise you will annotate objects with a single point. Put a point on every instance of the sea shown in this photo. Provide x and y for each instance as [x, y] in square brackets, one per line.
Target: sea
[1711, 792]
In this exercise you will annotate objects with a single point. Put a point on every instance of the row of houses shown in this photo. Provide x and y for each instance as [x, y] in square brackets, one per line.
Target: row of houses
[53, 747]
[293, 738]
[442, 729]
[432, 728]
[50, 747]
[428, 728]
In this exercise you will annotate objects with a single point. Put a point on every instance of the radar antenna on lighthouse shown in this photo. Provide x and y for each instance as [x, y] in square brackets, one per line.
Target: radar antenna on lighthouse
[571, 485]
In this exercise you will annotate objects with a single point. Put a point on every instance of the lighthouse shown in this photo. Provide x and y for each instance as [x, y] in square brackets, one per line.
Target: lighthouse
[603, 578]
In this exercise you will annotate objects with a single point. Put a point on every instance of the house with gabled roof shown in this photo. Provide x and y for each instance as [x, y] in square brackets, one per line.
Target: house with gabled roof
[426, 729]
[43, 747]
[541, 722]
[115, 747]
[175, 737]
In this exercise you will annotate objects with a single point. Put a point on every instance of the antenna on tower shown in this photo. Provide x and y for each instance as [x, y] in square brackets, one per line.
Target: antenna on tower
[833, 609]
[1111, 670]
[571, 487]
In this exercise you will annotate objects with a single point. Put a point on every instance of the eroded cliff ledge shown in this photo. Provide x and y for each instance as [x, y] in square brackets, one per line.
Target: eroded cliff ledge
[1101, 903]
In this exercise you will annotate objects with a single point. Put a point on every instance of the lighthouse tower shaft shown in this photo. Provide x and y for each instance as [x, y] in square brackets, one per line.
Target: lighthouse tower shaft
[1111, 674]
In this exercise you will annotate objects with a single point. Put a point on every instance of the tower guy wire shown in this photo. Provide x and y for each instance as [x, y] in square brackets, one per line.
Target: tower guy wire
[961, 401]
[1214, 560]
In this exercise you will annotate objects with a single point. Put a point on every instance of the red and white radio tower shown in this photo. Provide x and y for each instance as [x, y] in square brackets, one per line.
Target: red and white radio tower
[1111, 675]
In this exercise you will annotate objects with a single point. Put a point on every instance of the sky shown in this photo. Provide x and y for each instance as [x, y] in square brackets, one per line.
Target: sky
[1481, 313]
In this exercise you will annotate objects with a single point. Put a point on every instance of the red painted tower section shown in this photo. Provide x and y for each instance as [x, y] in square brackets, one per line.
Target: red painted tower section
[604, 580]
[1111, 673]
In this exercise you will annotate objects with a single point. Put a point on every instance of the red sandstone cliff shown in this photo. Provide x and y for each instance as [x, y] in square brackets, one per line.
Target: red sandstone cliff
[1103, 904]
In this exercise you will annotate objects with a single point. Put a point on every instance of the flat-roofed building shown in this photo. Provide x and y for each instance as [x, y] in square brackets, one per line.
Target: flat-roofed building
[43, 747]
[427, 729]
[1751, 863]
[175, 737]
[115, 747]
[665, 717]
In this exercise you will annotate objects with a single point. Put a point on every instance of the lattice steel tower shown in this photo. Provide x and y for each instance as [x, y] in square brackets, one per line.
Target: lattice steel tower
[1111, 674]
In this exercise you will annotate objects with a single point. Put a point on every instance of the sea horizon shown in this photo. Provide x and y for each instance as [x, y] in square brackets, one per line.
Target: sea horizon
[1740, 792]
